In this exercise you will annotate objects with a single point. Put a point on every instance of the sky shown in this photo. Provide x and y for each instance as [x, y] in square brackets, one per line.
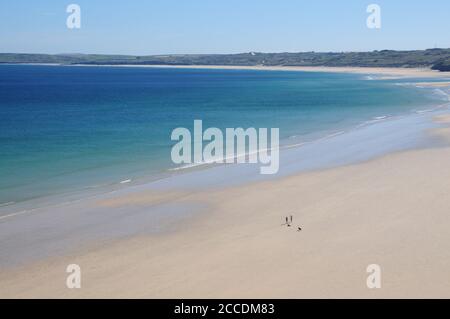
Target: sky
[144, 27]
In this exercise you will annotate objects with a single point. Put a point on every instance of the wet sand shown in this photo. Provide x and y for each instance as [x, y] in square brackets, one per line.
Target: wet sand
[374, 195]
[391, 211]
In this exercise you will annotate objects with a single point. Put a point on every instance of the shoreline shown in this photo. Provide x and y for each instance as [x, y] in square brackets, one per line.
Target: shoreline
[86, 194]
[351, 216]
[142, 180]
[227, 235]
[353, 147]
[382, 72]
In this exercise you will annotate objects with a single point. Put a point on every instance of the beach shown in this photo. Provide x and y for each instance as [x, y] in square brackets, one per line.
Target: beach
[224, 157]
[373, 195]
[391, 211]
[380, 72]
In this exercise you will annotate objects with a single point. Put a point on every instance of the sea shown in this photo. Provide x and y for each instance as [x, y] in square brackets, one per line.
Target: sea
[77, 130]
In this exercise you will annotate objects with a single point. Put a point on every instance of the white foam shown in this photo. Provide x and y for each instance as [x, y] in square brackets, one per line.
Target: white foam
[226, 159]
[424, 111]
[374, 120]
[186, 166]
[6, 204]
[442, 94]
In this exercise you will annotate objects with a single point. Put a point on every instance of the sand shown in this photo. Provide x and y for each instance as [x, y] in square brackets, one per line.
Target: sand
[392, 211]
[442, 119]
[381, 73]
[434, 84]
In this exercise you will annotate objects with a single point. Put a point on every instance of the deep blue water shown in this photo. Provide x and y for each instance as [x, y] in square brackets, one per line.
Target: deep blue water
[64, 129]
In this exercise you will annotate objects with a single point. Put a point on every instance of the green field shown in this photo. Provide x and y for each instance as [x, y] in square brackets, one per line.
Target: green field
[438, 59]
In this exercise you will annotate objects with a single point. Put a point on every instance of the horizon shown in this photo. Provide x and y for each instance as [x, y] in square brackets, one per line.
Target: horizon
[205, 27]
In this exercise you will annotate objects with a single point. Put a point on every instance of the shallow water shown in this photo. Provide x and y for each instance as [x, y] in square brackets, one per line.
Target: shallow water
[72, 131]
[51, 228]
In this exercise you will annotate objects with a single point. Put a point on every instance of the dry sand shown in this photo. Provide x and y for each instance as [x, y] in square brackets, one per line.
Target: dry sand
[392, 211]
[381, 73]
[434, 84]
[443, 119]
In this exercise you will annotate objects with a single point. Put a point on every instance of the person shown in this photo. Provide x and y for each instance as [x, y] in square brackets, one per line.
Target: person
[287, 221]
[291, 219]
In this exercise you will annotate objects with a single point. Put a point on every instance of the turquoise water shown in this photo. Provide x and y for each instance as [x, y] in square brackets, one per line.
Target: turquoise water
[65, 129]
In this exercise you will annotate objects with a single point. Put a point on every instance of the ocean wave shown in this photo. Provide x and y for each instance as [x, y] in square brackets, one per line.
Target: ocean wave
[374, 120]
[424, 111]
[443, 93]
[440, 106]
[186, 166]
[6, 204]
[224, 160]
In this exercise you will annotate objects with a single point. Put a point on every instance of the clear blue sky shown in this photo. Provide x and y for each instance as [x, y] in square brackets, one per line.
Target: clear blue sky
[221, 26]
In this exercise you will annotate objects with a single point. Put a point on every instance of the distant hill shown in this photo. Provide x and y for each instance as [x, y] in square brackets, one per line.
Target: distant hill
[437, 59]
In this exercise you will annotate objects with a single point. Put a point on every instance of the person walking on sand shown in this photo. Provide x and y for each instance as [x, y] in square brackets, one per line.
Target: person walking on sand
[291, 219]
[287, 221]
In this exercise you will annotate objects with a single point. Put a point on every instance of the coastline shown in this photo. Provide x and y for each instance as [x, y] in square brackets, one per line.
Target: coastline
[295, 138]
[228, 234]
[382, 72]
[351, 216]
[196, 154]
[203, 175]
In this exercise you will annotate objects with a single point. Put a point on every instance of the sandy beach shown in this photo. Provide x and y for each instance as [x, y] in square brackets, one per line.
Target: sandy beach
[197, 154]
[391, 211]
[380, 72]
[390, 208]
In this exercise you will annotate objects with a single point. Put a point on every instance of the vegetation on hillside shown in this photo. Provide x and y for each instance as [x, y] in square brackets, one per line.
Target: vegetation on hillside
[438, 59]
